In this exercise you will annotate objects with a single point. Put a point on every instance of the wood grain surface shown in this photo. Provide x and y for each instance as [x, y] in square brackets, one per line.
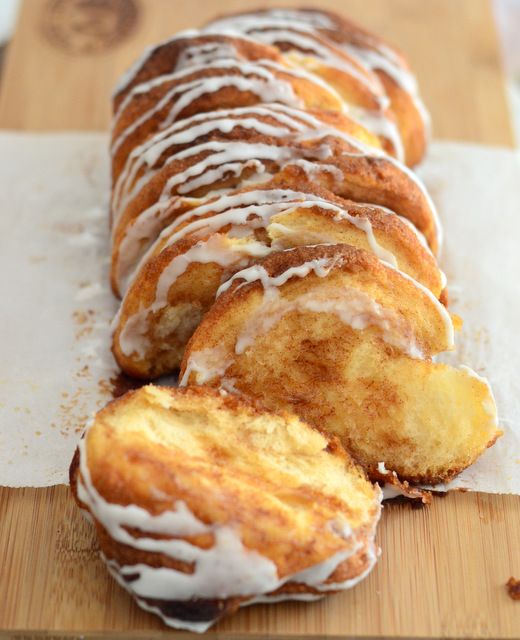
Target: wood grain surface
[443, 568]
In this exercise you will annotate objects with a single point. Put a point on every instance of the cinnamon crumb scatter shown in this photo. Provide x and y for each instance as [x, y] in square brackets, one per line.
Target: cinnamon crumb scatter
[121, 383]
[513, 588]
[69, 228]
[77, 404]
[85, 321]
[73, 413]
[22, 410]
[84, 372]
[413, 503]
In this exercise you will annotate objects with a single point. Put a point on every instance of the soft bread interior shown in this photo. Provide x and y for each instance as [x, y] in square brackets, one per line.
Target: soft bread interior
[432, 420]
[276, 479]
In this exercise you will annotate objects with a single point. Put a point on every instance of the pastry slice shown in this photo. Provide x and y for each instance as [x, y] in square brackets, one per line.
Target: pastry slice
[204, 502]
[346, 342]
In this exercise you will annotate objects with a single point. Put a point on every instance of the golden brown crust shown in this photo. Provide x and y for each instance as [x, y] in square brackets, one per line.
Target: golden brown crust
[323, 327]
[403, 240]
[330, 161]
[131, 208]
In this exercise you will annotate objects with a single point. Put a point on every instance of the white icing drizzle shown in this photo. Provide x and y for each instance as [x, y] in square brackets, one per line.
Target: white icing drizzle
[145, 227]
[206, 364]
[313, 170]
[372, 553]
[284, 597]
[353, 307]
[365, 225]
[391, 491]
[228, 157]
[128, 76]
[378, 56]
[385, 60]
[205, 54]
[257, 78]
[357, 310]
[382, 468]
[258, 202]
[288, 121]
[382, 126]
[320, 266]
[176, 623]
[272, 31]
[188, 130]
[440, 308]
[133, 338]
[214, 250]
[225, 569]
[254, 208]
[269, 86]
[431, 206]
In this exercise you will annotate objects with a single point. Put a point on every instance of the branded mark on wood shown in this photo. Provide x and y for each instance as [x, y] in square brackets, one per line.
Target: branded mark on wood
[86, 27]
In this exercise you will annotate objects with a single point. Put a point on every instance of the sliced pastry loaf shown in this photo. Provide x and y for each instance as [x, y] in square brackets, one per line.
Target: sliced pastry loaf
[346, 342]
[203, 502]
[177, 282]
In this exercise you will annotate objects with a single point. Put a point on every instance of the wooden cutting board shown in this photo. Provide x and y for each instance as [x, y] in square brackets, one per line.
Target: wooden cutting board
[443, 568]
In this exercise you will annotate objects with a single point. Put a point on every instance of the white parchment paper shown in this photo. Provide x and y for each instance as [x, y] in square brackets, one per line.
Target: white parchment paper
[477, 192]
[55, 363]
[55, 307]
